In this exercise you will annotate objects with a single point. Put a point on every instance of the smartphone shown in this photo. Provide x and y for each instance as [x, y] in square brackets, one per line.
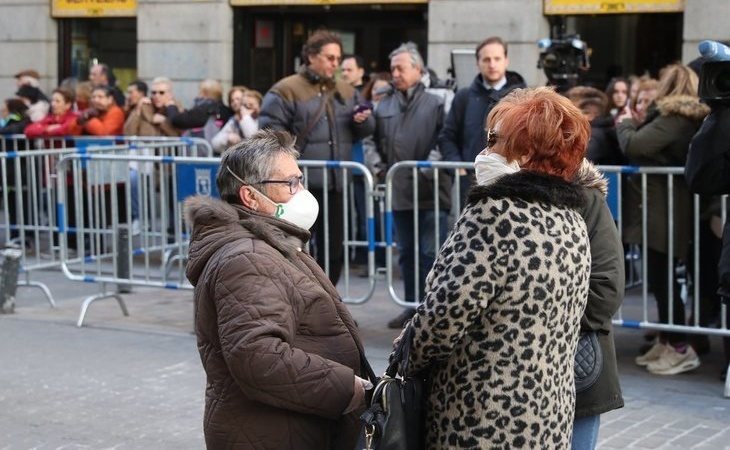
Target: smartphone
[362, 107]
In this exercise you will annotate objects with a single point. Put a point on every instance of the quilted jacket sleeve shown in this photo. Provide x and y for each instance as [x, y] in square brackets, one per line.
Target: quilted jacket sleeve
[257, 307]
[458, 289]
[276, 113]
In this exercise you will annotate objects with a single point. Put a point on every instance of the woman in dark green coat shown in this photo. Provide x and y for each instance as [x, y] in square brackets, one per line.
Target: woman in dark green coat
[606, 292]
[663, 140]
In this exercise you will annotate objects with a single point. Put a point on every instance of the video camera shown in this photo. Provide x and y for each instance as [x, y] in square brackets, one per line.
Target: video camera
[715, 72]
[562, 58]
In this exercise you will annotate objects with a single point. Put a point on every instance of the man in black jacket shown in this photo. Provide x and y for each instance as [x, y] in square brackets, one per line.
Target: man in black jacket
[463, 135]
[708, 172]
[208, 113]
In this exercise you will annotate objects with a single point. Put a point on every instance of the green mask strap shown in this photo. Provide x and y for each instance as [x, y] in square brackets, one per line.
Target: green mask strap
[279, 210]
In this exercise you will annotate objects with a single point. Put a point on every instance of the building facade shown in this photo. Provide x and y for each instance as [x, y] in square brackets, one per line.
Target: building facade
[255, 42]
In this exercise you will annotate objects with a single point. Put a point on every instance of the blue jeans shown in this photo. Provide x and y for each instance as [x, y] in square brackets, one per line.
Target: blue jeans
[585, 432]
[427, 248]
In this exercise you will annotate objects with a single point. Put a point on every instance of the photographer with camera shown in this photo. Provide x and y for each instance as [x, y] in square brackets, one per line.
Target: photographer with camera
[708, 162]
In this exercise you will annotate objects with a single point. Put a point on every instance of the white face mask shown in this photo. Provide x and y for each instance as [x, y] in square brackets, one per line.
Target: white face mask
[301, 210]
[490, 166]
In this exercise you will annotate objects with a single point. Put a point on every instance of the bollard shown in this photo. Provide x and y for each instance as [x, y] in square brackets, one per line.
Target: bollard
[122, 267]
[9, 267]
[727, 383]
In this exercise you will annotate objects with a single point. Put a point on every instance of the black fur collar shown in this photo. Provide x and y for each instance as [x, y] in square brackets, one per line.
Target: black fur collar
[531, 187]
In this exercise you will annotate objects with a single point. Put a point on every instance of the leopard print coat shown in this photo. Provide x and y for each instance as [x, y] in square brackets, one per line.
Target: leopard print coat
[499, 323]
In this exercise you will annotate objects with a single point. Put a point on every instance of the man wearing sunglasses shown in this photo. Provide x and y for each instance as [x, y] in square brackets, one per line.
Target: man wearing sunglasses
[322, 113]
[152, 115]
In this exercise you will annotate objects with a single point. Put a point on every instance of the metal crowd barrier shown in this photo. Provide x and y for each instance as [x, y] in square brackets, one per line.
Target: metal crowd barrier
[108, 251]
[322, 170]
[437, 169]
[29, 194]
[176, 146]
[672, 177]
[28, 180]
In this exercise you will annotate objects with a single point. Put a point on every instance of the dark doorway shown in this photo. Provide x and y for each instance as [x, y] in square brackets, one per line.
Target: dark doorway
[268, 41]
[628, 44]
[109, 41]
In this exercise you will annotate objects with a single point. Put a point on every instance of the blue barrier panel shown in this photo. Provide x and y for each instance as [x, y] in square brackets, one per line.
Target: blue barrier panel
[612, 199]
[196, 179]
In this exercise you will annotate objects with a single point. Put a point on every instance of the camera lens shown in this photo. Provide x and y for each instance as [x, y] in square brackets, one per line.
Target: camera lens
[722, 82]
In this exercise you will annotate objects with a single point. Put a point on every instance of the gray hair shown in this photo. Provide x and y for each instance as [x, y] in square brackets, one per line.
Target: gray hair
[412, 49]
[163, 80]
[252, 161]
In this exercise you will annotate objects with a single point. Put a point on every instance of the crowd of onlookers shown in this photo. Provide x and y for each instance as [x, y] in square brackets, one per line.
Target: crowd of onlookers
[335, 112]
[637, 120]
[98, 107]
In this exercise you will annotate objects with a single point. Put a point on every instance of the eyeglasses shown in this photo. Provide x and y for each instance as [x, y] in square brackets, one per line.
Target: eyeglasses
[492, 137]
[293, 182]
[332, 58]
[158, 92]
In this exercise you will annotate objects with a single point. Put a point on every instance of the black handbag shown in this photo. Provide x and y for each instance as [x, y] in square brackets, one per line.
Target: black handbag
[395, 419]
[588, 361]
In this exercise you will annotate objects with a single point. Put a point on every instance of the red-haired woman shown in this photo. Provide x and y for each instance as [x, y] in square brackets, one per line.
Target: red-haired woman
[61, 121]
[503, 301]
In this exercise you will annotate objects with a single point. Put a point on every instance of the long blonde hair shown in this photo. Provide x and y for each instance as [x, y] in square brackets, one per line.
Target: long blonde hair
[677, 79]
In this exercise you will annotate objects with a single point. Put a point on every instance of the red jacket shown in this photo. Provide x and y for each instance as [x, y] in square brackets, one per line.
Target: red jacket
[109, 123]
[67, 122]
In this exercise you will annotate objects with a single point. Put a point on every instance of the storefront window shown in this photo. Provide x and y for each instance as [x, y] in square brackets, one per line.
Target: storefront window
[111, 41]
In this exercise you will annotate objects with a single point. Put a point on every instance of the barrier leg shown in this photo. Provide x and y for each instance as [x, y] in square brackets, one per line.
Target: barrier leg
[42, 287]
[727, 382]
[100, 296]
[122, 268]
[9, 266]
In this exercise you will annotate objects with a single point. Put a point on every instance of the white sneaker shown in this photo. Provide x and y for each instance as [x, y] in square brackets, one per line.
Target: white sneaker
[653, 354]
[671, 362]
[136, 229]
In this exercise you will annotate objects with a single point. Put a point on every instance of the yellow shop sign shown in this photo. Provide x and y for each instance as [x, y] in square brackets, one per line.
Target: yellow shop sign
[93, 8]
[554, 7]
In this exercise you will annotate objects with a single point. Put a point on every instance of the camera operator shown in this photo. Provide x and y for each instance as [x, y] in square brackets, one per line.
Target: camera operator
[708, 173]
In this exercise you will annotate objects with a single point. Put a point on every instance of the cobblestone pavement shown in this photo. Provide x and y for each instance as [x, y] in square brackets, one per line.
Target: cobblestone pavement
[136, 382]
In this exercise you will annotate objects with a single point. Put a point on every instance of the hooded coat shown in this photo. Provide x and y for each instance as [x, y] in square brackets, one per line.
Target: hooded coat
[605, 294]
[499, 324]
[663, 140]
[279, 348]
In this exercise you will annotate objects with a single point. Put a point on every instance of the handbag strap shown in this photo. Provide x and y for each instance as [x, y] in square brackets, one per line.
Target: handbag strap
[399, 362]
[368, 369]
[304, 137]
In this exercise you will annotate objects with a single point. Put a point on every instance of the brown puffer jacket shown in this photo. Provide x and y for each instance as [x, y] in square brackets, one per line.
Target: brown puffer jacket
[279, 348]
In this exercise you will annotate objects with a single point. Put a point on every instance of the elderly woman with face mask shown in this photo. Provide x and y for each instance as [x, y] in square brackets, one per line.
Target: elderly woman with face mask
[606, 281]
[281, 352]
[499, 323]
